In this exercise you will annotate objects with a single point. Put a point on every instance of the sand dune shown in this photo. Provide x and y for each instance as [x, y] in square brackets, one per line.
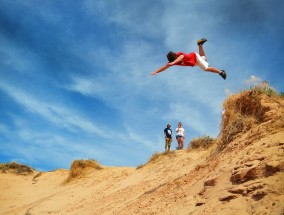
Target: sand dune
[246, 176]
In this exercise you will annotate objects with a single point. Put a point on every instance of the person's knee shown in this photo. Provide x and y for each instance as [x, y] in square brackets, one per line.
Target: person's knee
[206, 69]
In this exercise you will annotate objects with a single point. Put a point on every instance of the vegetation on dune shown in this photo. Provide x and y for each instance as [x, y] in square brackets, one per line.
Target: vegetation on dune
[244, 110]
[80, 167]
[201, 143]
[155, 157]
[16, 168]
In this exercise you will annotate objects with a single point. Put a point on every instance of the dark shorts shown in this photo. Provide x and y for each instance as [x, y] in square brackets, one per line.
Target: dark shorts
[179, 136]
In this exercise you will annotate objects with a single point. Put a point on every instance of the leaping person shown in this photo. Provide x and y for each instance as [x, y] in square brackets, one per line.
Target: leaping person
[191, 59]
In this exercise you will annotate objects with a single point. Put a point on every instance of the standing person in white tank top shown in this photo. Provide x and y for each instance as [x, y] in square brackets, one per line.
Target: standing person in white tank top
[180, 136]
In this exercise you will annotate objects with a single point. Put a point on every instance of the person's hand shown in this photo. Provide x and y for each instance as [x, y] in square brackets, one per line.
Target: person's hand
[153, 73]
[170, 63]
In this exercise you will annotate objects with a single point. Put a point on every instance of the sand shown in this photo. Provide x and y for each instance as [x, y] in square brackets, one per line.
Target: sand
[244, 177]
[180, 182]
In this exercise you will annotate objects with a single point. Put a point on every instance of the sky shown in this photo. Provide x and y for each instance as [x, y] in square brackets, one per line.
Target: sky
[75, 83]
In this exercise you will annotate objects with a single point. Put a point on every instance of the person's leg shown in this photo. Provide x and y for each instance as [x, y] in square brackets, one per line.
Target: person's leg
[178, 143]
[201, 51]
[201, 61]
[170, 142]
[213, 69]
[166, 144]
[203, 64]
[222, 73]
[181, 144]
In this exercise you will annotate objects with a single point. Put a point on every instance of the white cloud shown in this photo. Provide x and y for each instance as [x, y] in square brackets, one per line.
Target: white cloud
[253, 80]
[57, 114]
[110, 59]
[228, 92]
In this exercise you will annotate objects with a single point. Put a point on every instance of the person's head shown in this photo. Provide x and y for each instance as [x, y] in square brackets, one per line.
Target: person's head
[168, 125]
[171, 56]
[179, 124]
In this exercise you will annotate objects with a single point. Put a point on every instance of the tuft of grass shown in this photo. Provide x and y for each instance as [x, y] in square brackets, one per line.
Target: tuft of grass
[79, 168]
[156, 156]
[245, 110]
[242, 111]
[269, 91]
[201, 142]
[16, 168]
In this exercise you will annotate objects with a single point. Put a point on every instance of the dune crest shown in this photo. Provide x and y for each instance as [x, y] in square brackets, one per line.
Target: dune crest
[240, 172]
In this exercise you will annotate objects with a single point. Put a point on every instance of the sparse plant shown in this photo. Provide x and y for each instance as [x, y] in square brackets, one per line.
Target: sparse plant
[140, 166]
[201, 142]
[269, 91]
[156, 156]
[79, 167]
[242, 111]
[16, 168]
[28, 212]
[37, 176]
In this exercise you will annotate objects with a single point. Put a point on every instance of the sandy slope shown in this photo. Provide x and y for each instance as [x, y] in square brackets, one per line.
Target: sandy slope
[178, 183]
[245, 177]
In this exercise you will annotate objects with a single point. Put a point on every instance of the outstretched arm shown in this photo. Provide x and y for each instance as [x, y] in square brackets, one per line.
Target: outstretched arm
[163, 68]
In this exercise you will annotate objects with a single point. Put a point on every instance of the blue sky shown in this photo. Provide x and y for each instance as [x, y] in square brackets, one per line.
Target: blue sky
[74, 75]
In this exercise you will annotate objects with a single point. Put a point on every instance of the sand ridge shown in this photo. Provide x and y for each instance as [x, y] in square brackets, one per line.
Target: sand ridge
[244, 175]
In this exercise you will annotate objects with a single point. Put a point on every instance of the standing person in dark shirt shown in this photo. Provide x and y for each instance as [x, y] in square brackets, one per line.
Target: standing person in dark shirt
[168, 137]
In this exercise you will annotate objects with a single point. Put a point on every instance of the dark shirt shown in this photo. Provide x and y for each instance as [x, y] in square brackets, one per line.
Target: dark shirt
[168, 132]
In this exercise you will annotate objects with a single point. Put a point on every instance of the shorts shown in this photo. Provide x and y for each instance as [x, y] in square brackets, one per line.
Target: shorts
[179, 136]
[201, 62]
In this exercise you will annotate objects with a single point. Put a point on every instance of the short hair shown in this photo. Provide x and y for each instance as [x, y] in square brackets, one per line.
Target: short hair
[171, 56]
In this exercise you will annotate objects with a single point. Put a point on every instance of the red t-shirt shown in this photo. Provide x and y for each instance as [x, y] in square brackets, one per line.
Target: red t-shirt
[188, 59]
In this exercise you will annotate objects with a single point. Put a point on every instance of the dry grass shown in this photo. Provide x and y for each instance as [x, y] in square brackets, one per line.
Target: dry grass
[155, 157]
[80, 167]
[269, 91]
[201, 143]
[245, 110]
[16, 168]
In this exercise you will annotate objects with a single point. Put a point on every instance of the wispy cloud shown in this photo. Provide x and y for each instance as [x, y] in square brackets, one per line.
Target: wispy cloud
[74, 77]
[228, 92]
[253, 80]
[60, 116]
